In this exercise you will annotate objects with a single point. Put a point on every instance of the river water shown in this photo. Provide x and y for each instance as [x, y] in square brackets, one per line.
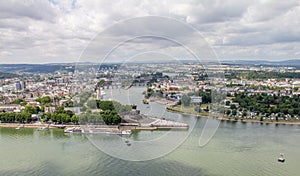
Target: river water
[235, 149]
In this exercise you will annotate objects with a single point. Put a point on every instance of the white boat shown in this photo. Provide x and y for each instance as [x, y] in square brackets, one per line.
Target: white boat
[102, 131]
[19, 127]
[126, 132]
[43, 129]
[281, 158]
[74, 130]
[79, 130]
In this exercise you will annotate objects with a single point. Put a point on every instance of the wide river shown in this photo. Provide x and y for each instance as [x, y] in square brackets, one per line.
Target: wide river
[235, 149]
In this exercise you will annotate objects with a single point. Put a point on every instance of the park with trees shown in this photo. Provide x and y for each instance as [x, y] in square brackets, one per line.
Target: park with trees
[265, 106]
[108, 112]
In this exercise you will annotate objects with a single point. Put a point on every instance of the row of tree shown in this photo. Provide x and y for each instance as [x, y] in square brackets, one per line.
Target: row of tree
[109, 112]
[12, 117]
[268, 104]
[60, 116]
[268, 75]
[23, 117]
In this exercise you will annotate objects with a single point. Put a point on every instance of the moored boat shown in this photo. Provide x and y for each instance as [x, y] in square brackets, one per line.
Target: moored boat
[74, 130]
[79, 130]
[126, 132]
[43, 129]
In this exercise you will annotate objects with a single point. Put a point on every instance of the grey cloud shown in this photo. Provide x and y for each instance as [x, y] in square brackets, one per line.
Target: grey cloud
[208, 11]
[44, 30]
[268, 10]
[37, 10]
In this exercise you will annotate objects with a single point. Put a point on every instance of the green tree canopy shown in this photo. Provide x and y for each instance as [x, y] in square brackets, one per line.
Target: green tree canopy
[186, 100]
[31, 109]
[91, 104]
[44, 100]
[110, 117]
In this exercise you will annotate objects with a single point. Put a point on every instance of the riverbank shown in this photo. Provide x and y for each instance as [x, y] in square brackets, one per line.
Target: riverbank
[258, 121]
[226, 118]
[21, 125]
[163, 101]
[156, 125]
[32, 125]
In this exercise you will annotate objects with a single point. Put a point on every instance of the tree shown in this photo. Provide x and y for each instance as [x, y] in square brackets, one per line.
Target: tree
[30, 109]
[62, 116]
[18, 101]
[91, 104]
[244, 113]
[291, 111]
[26, 117]
[232, 106]
[46, 117]
[186, 100]
[83, 108]
[118, 107]
[100, 83]
[206, 96]
[228, 112]
[110, 117]
[234, 112]
[105, 105]
[44, 100]
[74, 119]
[227, 103]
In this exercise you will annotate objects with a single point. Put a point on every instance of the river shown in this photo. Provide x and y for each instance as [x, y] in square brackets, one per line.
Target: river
[237, 148]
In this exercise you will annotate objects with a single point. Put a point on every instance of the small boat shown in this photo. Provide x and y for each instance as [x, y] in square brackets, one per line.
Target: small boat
[77, 130]
[126, 132]
[281, 158]
[43, 129]
[19, 127]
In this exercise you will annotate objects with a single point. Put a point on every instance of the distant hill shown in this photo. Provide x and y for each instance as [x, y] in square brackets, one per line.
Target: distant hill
[7, 75]
[70, 67]
[35, 68]
[295, 63]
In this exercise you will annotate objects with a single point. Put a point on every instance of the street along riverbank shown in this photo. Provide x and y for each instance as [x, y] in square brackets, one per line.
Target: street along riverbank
[226, 118]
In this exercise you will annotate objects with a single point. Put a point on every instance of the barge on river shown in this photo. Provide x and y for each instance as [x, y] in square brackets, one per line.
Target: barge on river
[79, 130]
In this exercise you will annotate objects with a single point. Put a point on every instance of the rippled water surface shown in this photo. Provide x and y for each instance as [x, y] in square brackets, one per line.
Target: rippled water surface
[236, 149]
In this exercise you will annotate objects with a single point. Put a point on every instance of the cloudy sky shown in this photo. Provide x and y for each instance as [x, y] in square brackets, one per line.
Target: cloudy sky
[44, 31]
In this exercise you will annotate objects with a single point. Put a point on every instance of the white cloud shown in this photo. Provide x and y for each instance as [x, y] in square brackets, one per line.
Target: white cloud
[5, 53]
[54, 31]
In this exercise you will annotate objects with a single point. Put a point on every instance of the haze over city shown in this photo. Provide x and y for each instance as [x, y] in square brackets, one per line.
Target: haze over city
[58, 31]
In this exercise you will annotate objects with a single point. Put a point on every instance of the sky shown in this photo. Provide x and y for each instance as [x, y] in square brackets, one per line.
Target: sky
[41, 31]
